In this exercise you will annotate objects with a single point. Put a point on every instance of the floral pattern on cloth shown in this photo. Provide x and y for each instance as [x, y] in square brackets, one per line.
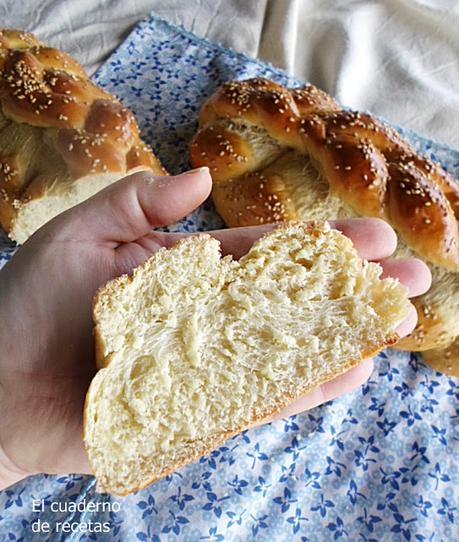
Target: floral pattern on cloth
[380, 464]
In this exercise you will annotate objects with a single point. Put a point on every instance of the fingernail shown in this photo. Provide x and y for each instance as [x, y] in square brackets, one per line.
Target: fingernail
[198, 169]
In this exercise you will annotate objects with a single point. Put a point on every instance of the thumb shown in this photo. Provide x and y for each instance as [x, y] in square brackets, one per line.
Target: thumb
[131, 207]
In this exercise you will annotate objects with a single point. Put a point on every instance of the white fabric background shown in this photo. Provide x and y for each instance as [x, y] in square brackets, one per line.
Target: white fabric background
[396, 58]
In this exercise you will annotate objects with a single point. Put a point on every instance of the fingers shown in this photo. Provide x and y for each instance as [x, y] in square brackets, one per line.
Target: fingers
[411, 272]
[408, 324]
[345, 383]
[129, 208]
[416, 276]
[373, 238]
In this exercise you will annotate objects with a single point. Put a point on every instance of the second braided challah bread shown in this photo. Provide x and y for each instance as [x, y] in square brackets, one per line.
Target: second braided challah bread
[62, 138]
[246, 125]
[279, 154]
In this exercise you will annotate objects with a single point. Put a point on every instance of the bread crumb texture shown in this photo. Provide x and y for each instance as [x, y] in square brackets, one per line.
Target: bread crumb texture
[195, 347]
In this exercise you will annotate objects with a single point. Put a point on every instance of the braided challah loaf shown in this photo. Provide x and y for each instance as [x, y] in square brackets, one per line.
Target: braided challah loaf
[280, 154]
[62, 138]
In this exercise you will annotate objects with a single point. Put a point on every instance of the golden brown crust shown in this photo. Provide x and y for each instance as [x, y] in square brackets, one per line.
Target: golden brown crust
[18, 39]
[229, 155]
[445, 360]
[367, 163]
[425, 219]
[265, 200]
[432, 331]
[53, 107]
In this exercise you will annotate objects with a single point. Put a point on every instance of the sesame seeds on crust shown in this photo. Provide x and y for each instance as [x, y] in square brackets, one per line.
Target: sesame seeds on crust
[47, 98]
[367, 162]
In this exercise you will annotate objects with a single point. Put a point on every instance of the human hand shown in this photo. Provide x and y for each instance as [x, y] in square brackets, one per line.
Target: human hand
[46, 291]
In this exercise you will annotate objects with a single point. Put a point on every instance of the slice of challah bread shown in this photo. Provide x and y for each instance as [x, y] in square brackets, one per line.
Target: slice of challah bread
[62, 138]
[194, 348]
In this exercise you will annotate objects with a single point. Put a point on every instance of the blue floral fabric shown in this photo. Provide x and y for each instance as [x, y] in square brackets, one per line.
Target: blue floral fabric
[380, 464]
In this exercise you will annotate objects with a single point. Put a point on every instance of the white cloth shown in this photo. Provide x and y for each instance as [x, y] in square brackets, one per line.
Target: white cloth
[396, 58]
